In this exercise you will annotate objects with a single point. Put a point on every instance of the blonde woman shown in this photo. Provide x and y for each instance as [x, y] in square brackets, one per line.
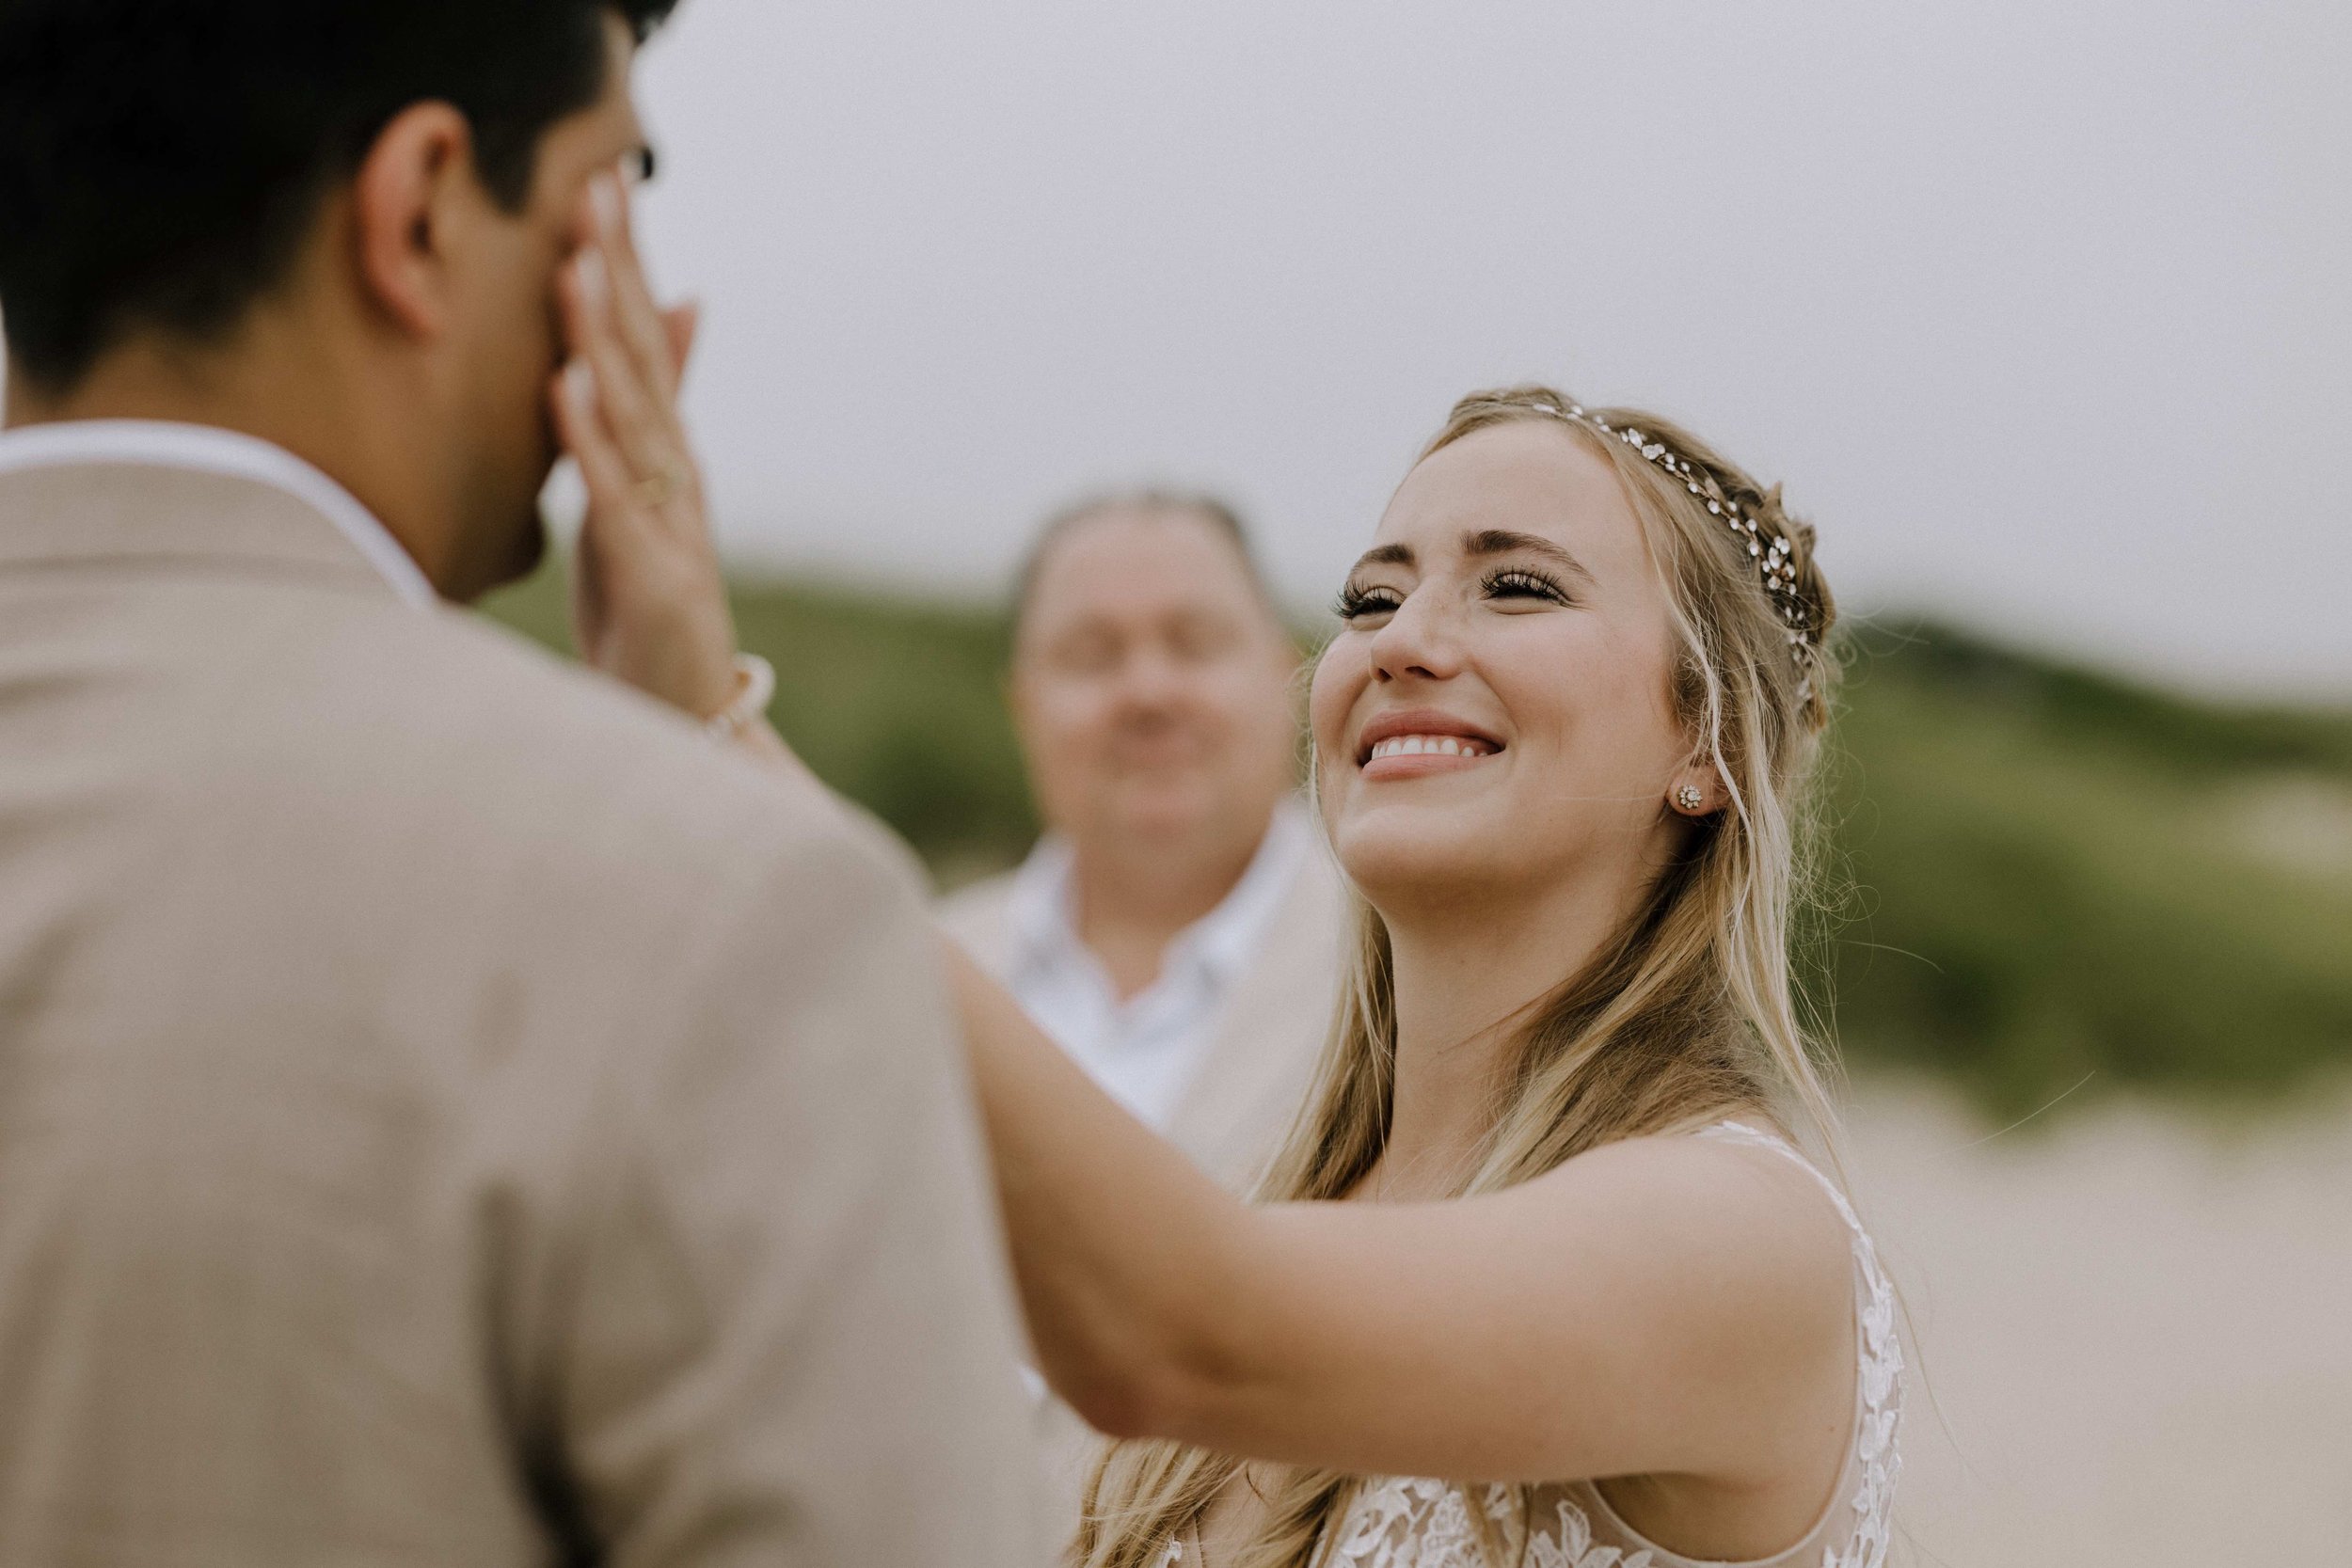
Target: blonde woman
[1541, 1277]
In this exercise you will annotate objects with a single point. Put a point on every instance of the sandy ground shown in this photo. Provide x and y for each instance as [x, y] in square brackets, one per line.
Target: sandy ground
[2135, 1329]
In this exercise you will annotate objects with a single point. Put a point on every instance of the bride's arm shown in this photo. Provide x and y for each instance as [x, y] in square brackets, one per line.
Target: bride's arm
[1656, 1305]
[1121, 1247]
[1661, 1304]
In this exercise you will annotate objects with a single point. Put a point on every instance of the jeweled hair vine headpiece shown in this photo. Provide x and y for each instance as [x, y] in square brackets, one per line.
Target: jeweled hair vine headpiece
[1774, 555]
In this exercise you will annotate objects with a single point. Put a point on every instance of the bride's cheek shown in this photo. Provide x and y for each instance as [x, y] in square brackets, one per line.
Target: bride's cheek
[1337, 679]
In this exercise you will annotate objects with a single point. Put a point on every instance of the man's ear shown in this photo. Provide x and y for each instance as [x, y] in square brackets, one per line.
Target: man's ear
[411, 191]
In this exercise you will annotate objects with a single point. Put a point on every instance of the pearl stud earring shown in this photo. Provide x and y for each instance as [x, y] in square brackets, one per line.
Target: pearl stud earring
[1690, 798]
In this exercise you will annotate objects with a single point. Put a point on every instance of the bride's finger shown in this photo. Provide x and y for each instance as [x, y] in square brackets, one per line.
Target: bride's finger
[681, 321]
[638, 318]
[579, 424]
[631, 410]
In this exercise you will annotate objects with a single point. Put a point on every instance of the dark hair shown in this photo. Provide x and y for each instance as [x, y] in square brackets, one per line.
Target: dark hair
[162, 160]
[1219, 516]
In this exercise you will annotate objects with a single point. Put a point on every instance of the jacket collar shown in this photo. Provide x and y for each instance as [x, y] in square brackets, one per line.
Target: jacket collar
[85, 492]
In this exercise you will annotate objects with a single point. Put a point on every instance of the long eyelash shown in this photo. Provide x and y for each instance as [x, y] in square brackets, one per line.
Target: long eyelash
[1354, 601]
[1512, 581]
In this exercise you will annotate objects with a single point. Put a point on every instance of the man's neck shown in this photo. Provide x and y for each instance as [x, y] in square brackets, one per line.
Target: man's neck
[1130, 904]
[275, 383]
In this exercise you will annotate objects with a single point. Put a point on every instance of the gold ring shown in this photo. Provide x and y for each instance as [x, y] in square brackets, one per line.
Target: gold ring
[658, 490]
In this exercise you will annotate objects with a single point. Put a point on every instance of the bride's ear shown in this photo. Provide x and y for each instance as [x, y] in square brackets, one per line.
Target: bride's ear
[1696, 790]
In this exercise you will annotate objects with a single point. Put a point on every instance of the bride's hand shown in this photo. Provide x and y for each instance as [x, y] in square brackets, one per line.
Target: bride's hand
[649, 603]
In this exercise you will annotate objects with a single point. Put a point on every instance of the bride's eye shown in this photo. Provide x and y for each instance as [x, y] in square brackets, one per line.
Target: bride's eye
[1518, 582]
[1354, 603]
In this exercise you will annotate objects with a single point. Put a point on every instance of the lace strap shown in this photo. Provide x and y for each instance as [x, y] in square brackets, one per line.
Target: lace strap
[1875, 1456]
[1741, 1132]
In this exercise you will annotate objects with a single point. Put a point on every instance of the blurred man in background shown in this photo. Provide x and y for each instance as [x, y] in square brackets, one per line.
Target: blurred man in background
[1177, 930]
[452, 1109]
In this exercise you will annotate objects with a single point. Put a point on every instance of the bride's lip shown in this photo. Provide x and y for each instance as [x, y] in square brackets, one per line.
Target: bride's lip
[1468, 742]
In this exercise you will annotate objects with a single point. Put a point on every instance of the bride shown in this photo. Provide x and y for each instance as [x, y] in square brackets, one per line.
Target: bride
[1540, 1275]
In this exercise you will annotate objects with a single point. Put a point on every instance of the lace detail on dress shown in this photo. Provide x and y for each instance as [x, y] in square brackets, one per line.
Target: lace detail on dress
[1416, 1522]
[1413, 1522]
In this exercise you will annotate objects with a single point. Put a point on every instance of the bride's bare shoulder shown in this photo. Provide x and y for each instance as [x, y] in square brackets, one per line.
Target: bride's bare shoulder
[1734, 1202]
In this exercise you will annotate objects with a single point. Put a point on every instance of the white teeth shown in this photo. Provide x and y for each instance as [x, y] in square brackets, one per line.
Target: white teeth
[1427, 745]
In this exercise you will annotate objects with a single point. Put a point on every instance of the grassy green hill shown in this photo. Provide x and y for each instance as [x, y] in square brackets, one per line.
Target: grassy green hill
[2054, 872]
[2040, 873]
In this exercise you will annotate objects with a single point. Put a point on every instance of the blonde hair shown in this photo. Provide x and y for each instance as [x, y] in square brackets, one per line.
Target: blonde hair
[1687, 1013]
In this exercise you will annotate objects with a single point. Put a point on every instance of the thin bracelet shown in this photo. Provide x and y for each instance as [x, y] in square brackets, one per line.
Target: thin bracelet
[755, 680]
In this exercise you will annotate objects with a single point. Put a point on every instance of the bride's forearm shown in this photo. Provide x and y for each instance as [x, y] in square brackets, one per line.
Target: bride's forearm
[1129, 1259]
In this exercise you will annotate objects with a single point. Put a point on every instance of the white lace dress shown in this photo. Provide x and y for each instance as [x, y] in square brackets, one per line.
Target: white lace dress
[1414, 1522]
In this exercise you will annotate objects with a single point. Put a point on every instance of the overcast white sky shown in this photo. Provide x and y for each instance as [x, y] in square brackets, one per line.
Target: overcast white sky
[2043, 312]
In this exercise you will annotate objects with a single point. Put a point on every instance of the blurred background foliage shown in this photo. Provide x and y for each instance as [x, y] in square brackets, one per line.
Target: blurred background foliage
[2042, 878]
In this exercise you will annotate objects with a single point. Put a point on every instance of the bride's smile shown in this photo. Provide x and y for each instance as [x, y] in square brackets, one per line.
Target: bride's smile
[1416, 743]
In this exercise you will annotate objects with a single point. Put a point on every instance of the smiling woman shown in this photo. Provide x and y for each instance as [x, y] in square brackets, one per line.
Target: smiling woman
[1542, 1229]
[1559, 743]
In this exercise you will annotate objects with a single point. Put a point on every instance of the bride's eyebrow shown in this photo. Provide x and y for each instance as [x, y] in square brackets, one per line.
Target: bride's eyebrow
[1503, 540]
[1384, 555]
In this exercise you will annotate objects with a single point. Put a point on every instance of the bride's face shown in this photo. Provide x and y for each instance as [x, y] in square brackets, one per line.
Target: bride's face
[1495, 719]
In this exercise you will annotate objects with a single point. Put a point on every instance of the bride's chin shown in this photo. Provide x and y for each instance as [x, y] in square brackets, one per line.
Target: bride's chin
[1401, 874]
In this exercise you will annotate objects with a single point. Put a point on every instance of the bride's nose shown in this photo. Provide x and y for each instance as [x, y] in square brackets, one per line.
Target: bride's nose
[1419, 639]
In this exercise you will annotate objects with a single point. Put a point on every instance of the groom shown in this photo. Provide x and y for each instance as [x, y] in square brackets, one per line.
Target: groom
[451, 1110]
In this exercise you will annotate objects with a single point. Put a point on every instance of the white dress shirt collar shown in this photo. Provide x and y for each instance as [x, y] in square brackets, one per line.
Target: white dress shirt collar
[1044, 900]
[1147, 1049]
[206, 448]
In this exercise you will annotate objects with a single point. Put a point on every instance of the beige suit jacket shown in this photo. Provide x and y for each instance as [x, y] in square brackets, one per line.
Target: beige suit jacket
[1232, 1118]
[449, 1112]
